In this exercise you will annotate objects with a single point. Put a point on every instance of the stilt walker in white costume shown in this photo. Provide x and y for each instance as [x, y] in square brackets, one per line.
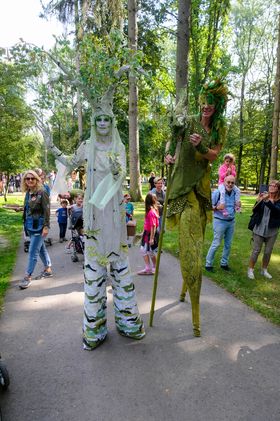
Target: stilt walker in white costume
[105, 228]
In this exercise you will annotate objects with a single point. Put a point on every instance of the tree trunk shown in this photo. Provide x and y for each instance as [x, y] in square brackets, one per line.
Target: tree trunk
[265, 152]
[183, 34]
[134, 162]
[241, 130]
[79, 22]
[276, 115]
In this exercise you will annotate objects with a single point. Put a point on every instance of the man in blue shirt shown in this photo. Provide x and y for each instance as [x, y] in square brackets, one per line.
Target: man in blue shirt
[223, 224]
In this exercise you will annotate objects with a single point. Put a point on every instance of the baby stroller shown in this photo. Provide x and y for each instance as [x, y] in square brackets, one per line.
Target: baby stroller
[4, 379]
[77, 237]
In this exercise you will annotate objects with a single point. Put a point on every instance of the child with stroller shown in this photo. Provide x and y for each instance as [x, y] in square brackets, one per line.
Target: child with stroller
[62, 216]
[76, 210]
[227, 168]
[76, 218]
[150, 235]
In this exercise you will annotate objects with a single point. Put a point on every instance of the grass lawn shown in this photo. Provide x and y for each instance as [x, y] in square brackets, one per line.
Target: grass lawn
[262, 295]
[10, 234]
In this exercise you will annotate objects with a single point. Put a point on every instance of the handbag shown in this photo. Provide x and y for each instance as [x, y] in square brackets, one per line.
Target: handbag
[253, 221]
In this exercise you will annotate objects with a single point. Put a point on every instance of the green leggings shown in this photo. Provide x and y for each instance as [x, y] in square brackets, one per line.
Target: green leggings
[192, 223]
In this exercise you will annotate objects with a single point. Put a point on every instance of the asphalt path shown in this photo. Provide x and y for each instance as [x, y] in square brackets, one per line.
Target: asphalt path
[231, 373]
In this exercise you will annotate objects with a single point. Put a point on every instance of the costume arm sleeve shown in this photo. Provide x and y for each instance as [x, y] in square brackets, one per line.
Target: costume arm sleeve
[46, 209]
[118, 164]
[70, 162]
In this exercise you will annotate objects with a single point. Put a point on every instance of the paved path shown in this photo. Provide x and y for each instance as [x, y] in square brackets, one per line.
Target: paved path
[231, 373]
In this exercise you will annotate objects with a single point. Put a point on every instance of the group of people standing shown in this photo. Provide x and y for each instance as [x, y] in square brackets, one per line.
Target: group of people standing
[10, 184]
[265, 221]
[196, 142]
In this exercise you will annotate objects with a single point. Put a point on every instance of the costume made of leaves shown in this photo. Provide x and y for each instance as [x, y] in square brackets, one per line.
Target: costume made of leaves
[190, 192]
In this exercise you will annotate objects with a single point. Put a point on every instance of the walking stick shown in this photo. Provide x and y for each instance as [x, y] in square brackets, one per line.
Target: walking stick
[169, 171]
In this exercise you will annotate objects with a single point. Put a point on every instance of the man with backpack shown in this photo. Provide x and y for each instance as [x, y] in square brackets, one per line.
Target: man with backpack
[223, 224]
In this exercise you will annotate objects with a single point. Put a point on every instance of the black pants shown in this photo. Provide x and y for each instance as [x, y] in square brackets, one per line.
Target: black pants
[62, 229]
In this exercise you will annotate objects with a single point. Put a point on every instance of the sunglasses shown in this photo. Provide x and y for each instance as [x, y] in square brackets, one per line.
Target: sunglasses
[30, 178]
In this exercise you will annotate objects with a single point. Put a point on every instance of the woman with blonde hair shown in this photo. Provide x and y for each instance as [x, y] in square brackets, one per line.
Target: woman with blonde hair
[266, 216]
[36, 224]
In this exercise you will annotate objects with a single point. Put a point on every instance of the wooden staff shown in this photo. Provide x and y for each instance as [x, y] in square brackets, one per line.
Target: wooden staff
[169, 172]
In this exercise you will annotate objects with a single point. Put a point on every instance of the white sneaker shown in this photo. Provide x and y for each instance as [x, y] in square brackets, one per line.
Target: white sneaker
[250, 273]
[24, 283]
[265, 273]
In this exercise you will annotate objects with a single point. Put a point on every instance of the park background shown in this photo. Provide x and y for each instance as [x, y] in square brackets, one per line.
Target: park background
[235, 40]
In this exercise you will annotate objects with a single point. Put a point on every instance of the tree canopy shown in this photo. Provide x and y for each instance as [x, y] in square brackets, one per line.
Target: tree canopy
[235, 40]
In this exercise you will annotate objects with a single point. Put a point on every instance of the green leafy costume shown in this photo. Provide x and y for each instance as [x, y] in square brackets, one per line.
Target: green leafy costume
[190, 194]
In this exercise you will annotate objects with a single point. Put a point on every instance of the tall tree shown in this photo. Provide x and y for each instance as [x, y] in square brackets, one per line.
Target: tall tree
[246, 20]
[134, 162]
[276, 114]
[183, 31]
[18, 149]
[208, 20]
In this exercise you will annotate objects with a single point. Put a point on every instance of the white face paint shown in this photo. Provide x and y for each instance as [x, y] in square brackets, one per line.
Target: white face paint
[103, 124]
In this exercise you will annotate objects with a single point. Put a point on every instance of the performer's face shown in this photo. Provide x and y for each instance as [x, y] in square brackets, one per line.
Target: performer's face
[103, 124]
[207, 110]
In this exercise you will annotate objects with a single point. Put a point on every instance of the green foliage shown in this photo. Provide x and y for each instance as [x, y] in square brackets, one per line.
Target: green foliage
[10, 234]
[216, 38]
[207, 57]
[18, 148]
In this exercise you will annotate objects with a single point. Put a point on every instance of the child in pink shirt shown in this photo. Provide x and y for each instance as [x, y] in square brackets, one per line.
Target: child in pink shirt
[228, 168]
[150, 235]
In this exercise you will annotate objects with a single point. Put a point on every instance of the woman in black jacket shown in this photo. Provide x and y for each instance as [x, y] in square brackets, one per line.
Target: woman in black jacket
[36, 224]
[267, 223]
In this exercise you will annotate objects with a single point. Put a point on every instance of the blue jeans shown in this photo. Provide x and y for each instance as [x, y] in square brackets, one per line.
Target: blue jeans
[37, 248]
[222, 230]
[62, 229]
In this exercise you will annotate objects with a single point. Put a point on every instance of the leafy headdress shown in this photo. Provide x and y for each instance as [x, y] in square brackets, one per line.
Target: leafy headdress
[216, 93]
[99, 195]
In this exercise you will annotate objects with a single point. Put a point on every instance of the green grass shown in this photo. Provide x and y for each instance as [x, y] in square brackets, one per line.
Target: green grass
[10, 234]
[262, 295]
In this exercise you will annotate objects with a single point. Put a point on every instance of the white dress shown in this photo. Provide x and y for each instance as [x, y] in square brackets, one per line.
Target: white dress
[107, 237]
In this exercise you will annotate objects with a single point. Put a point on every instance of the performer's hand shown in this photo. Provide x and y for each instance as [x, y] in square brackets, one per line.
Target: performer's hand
[195, 139]
[168, 159]
[115, 166]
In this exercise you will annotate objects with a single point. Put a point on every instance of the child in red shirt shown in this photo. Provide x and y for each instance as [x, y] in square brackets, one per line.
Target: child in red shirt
[150, 235]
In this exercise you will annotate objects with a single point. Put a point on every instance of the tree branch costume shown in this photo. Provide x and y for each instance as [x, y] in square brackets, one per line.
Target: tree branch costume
[190, 195]
[105, 231]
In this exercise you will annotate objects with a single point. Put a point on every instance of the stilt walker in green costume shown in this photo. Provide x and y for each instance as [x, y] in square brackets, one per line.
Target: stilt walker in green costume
[201, 139]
